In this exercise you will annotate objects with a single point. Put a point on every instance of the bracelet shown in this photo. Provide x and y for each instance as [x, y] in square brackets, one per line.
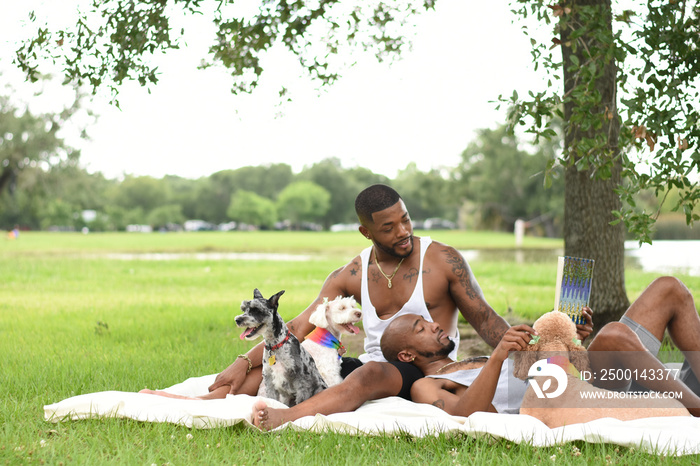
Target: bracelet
[250, 363]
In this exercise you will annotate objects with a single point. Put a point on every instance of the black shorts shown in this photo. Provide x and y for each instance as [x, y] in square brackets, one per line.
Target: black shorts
[409, 373]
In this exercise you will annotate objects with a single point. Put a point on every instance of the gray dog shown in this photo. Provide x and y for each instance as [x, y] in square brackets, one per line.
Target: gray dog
[289, 372]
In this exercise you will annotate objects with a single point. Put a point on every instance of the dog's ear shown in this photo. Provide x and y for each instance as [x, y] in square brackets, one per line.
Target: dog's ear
[523, 360]
[318, 317]
[354, 301]
[274, 299]
[257, 294]
[578, 356]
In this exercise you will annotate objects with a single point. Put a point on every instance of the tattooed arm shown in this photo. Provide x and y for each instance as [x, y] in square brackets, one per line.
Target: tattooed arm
[469, 298]
[341, 282]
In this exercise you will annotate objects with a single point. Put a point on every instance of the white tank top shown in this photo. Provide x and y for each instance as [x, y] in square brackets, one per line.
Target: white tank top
[509, 390]
[374, 326]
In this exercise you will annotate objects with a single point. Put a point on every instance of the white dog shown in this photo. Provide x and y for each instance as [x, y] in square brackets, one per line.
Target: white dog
[331, 318]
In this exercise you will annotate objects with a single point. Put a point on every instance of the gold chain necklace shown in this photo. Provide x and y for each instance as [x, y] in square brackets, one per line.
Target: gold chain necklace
[445, 366]
[473, 359]
[382, 272]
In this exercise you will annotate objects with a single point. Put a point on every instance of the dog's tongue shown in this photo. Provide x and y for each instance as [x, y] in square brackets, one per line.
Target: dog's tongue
[354, 329]
[247, 332]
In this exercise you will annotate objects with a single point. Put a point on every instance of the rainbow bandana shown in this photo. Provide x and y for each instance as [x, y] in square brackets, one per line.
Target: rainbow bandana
[564, 363]
[325, 338]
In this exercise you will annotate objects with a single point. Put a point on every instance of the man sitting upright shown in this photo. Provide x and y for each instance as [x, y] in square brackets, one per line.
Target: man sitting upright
[397, 275]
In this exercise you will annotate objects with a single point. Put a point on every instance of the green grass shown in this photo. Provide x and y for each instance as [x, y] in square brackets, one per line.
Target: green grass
[73, 321]
[329, 244]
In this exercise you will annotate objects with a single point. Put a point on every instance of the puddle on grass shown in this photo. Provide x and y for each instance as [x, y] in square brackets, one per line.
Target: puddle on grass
[665, 257]
[519, 256]
[662, 257]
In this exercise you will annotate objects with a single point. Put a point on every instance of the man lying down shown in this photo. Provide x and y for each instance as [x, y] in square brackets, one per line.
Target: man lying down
[458, 387]
[487, 384]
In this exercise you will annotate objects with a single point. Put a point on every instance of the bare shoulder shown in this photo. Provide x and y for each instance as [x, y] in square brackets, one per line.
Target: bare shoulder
[451, 263]
[447, 258]
[435, 383]
[350, 271]
[344, 280]
[439, 249]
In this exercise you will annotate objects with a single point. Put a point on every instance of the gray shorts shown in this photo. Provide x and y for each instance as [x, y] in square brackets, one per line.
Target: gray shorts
[651, 343]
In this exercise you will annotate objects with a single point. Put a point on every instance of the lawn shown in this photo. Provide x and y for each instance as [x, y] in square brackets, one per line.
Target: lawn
[77, 318]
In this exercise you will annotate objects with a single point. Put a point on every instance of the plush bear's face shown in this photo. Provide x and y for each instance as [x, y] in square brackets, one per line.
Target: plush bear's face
[556, 330]
[557, 337]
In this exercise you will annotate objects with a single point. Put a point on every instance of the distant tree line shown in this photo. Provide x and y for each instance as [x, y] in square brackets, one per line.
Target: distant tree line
[44, 187]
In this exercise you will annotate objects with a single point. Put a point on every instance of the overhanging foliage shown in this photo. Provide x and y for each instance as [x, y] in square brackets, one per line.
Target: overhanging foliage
[656, 46]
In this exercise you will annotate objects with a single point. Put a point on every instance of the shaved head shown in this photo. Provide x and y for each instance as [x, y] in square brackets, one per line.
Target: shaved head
[413, 333]
[395, 337]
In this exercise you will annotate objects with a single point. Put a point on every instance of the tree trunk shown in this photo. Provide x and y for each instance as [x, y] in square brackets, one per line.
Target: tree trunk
[5, 178]
[589, 200]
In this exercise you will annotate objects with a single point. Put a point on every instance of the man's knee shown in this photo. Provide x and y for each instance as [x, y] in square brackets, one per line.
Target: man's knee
[616, 336]
[671, 289]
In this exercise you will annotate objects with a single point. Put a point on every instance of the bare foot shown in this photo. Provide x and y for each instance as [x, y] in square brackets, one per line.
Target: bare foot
[266, 418]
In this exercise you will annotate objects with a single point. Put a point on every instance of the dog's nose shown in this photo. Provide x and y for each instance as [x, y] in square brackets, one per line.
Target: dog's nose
[358, 314]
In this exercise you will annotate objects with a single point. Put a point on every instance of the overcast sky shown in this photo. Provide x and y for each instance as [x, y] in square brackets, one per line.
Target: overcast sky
[424, 108]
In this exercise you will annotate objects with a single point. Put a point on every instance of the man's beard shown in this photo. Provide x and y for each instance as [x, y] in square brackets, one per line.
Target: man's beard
[444, 351]
[391, 252]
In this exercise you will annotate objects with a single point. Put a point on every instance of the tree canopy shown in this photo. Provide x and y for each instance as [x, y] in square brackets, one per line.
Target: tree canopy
[113, 41]
[505, 183]
[29, 140]
[251, 208]
[630, 79]
[302, 201]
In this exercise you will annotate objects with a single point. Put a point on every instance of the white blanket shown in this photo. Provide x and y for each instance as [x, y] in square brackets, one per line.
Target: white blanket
[663, 435]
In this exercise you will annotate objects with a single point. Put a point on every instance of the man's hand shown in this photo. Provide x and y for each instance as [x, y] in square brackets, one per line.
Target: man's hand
[584, 330]
[516, 338]
[233, 376]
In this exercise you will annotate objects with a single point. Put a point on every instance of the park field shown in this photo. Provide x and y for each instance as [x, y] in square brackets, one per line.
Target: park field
[87, 313]
[327, 244]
